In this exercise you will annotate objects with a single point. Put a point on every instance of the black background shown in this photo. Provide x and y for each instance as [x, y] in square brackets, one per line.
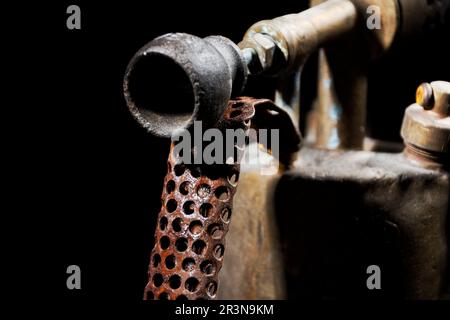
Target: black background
[90, 177]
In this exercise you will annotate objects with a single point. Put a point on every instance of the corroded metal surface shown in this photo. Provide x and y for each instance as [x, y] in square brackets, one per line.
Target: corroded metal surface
[194, 219]
[295, 36]
[197, 204]
[426, 125]
[203, 74]
[259, 273]
[359, 209]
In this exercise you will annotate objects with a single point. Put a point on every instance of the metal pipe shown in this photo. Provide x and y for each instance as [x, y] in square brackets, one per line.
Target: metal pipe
[204, 74]
[296, 36]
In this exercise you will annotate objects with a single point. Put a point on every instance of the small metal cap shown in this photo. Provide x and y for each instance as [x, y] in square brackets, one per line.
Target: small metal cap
[424, 96]
[426, 124]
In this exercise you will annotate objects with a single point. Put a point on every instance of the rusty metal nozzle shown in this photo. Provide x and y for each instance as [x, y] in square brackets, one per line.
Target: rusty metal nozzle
[198, 76]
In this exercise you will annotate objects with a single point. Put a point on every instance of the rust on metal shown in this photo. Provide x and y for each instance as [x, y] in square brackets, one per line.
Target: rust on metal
[174, 62]
[197, 205]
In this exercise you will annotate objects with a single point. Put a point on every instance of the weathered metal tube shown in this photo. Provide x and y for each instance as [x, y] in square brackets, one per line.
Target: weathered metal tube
[204, 73]
[299, 35]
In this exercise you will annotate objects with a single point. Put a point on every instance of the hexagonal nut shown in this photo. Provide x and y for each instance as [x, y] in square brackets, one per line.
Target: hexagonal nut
[265, 47]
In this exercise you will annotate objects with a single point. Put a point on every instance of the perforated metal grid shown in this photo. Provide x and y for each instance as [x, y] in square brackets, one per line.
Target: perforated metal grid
[197, 205]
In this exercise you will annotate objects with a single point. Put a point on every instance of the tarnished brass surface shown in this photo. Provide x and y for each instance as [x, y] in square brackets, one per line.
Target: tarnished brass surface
[339, 209]
[253, 268]
[361, 208]
[298, 35]
[340, 110]
[426, 124]
[340, 28]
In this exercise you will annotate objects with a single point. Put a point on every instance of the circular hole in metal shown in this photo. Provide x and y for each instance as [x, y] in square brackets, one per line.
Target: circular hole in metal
[213, 172]
[188, 207]
[184, 188]
[211, 288]
[191, 284]
[207, 267]
[170, 186]
[233, 178]
[176, 224]
[205, 209]
[149, 295]
[158, 279]
[182, 297]
[226, 214]
[171, 205]
[175, 281]
[179, 169]
[235, 113]
[221, 193]
[215, 231]
[152, 72]
[218, 251]
[188, 264]
[195, 171]
[156, 260]
[198, 246]
[203, 190]
[195, 227]
[181, 244]
[170, 261]
[163, 296]
[164, 242]
[163, 223]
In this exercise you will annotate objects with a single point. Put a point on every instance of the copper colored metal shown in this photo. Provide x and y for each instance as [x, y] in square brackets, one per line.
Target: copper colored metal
[295, 36]
[197, 204]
